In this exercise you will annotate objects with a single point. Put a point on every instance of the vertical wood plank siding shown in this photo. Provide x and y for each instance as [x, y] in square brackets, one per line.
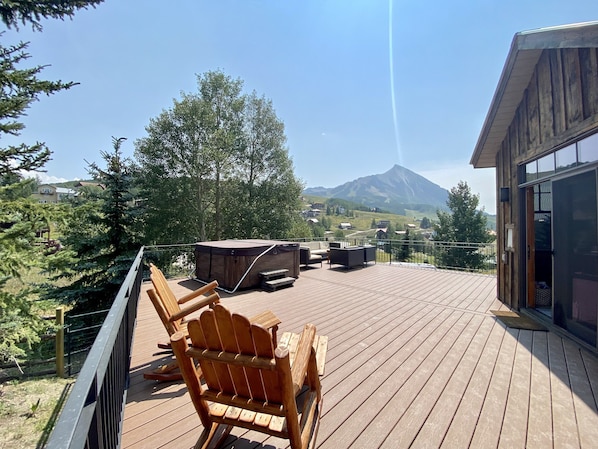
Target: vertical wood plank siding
[559, 104]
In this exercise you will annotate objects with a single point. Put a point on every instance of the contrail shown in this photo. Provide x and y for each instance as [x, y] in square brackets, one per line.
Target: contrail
[392, 82]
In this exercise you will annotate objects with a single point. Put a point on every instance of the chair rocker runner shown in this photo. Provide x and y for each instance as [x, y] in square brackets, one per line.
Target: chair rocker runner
[248, 383]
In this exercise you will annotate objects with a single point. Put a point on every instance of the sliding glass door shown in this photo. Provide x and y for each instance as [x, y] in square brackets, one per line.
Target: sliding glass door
[575, 243]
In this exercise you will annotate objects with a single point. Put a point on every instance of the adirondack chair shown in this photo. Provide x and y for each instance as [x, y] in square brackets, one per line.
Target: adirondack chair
[169, 307]
[173, 316]
[248, 383]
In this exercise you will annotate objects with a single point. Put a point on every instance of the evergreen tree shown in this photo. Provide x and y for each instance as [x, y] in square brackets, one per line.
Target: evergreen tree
[425, 223]
[32, 11]
[465, 224]
[101, 236]
[20, 218]
[403, 251]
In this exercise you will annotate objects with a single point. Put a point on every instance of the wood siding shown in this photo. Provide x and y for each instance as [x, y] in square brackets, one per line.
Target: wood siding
[559, 105]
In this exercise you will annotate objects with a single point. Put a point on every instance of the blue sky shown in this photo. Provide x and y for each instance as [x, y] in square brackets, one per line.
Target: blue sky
[325, 64]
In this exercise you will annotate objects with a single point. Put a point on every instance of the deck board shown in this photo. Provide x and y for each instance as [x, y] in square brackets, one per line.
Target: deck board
[415, 359]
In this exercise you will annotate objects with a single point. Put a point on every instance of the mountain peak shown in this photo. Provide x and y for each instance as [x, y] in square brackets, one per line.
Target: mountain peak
[394, 190]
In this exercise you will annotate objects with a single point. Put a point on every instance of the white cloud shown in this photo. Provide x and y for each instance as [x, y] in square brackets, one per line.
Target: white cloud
[480, 180]
[44, 178]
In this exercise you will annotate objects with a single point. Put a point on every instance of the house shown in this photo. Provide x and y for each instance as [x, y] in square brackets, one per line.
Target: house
[47, 193]
[345, 225]
[541, 135]
[382, 233]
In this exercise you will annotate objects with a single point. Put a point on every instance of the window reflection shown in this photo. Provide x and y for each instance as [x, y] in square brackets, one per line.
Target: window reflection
[546, 165]
[531, 171]
[588, 149]
[566, 158]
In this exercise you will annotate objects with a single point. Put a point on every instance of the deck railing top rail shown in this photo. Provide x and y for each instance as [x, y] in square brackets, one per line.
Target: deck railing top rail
[92, 414]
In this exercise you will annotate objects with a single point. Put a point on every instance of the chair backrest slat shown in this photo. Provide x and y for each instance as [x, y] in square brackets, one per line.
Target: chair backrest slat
[161, 286]
[212, 340]
[207, 367]
[245, 341]
[228, 341]
[263, 348]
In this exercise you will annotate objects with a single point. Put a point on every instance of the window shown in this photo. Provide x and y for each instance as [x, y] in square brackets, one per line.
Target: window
[584, 151]
[546, 166]
[566, 158]
[587, 149]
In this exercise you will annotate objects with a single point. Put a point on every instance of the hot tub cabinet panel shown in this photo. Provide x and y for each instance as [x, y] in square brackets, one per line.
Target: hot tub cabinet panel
[227, 261]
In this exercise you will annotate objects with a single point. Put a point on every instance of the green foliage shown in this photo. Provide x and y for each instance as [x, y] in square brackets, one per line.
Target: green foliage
[32, 11]
[464, 224]
[326, 223]
[425, 223]
[101, 238]
[403, 252]
[19, 88]
[215, 166]
[21, 218]
[20, 323]
[299, 230]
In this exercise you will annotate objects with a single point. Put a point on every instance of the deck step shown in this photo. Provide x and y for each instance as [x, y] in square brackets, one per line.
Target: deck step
[274, 284]
[274, 274]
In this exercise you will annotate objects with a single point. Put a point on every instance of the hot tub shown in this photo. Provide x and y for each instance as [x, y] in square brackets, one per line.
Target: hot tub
[227, 261]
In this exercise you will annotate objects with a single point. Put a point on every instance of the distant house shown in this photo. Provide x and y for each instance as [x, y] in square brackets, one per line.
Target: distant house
[382, 233]
[47, 193]
[312, 221]
[383, 224]
[345, 225]
[318, 206]
[541, 135]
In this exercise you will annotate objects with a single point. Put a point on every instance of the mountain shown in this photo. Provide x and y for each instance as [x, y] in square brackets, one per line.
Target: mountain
[395, 191]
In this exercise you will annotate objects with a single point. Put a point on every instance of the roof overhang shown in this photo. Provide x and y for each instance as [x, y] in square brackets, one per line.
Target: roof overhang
[523, 56]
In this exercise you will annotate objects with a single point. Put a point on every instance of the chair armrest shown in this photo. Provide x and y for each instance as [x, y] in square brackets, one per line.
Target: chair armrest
[266, 319]
[302, 357]
[208, 288]
[213, 298]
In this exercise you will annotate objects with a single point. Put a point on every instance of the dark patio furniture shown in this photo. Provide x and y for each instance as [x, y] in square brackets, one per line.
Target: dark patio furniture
[349, 257]
[306, 257]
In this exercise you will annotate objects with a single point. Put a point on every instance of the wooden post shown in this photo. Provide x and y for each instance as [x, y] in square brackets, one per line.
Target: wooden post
[60, 342]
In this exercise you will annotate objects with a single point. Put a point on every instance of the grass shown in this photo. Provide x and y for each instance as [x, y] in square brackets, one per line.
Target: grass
[28, 410]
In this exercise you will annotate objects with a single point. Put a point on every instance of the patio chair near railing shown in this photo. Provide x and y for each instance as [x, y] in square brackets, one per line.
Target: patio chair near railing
[174, 317]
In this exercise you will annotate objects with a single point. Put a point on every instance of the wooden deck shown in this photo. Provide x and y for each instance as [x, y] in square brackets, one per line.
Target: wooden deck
[415, 359]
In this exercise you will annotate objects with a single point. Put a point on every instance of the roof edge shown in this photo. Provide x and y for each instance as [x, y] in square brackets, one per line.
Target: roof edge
[577, 35]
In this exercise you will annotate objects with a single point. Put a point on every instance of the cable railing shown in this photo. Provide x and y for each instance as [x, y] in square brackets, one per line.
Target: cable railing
[459, 256]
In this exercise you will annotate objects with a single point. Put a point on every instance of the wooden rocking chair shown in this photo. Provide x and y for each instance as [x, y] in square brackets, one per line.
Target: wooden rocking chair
[169, 307]
[248, 383]
[173, 316]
